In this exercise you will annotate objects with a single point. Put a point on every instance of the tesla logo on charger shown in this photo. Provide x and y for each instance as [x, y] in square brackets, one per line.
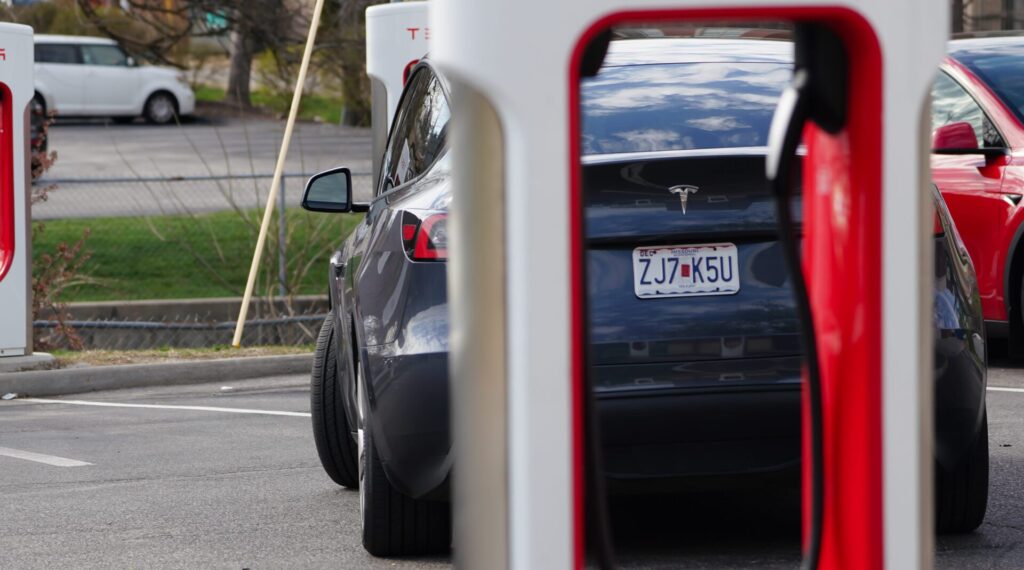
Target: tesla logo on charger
[3, 54]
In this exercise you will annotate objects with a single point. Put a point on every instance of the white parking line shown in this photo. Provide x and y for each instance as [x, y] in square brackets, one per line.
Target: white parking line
[160, 407]
[1002, 389]
[40, 458]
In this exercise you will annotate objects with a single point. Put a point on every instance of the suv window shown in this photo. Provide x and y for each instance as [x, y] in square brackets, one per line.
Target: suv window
[419, 134]
[103, 55]
[56, 53]
[952, 104]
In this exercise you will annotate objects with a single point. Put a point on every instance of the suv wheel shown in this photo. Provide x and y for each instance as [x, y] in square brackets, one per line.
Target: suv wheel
[160, 109]
[38, 117]
[394, 524]
[961, 493]
[331, 430]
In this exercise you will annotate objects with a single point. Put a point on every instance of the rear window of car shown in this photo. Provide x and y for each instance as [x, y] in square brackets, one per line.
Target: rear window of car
[1000, 68]
[56, 53]
[659, 107]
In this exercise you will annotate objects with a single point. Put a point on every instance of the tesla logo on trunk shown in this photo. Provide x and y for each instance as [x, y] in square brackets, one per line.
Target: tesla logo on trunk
[683, 191]
[3, 54]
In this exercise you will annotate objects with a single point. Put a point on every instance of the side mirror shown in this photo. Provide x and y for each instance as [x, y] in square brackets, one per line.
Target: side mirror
[959, 138]
[329, 191]
[954, 136]
[130, 61]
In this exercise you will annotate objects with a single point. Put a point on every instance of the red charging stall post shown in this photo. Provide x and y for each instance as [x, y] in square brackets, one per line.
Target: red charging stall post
[516, 256]
[17, 57]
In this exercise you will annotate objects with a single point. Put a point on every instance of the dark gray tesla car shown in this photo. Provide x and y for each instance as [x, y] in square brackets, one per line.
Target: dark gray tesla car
[694, 335]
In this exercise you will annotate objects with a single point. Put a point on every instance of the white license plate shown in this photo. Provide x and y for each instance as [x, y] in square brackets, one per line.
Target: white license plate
[686, 270]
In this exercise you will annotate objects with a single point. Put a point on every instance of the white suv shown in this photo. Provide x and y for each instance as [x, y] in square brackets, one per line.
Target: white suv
[93, 77]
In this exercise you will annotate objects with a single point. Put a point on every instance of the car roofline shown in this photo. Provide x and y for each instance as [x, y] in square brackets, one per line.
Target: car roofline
[673, 51]
[618, 157]
[62, 39]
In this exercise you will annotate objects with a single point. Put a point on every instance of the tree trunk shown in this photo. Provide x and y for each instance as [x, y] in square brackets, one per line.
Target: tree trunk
[957, 16]
[355, 89]
[241, 68]
[350, 35]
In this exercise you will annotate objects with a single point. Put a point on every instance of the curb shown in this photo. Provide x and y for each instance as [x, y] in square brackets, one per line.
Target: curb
[94, 378]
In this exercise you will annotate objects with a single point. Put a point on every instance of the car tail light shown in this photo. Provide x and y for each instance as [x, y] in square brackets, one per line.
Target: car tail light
[425, 236]
[408, 68]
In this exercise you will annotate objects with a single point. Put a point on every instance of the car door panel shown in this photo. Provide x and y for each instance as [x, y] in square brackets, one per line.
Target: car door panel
[971, 185]
[972, 193]
[389, 293]
[111, 85]
[60, 75]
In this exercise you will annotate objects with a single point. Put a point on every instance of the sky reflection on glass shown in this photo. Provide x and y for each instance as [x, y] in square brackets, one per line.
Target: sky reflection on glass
[640, 108]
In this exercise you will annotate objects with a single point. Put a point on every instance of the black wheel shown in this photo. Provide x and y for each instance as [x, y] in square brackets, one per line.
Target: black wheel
[160, 109]
[37, 119]
[961, 493]
[1015, 342]
[394, 524]
[334, 443]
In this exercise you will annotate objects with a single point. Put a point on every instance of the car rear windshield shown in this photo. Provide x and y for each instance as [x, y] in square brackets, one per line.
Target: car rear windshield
[659, 107]
[999, 67]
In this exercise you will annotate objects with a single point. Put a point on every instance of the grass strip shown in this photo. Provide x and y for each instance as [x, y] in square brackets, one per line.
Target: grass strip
[183, 256]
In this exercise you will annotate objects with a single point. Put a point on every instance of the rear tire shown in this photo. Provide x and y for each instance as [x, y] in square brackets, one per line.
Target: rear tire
[161, 108]
[38, 139]
[961, 493]
[1015, 340]
[395, 524]
[334, 443]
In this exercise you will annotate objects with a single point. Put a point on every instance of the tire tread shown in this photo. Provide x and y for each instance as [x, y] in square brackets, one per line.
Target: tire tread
[397, 525]
[331, 431]
[961, 493]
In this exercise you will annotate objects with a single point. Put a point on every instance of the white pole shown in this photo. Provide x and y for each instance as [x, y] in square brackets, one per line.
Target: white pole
[276, 183]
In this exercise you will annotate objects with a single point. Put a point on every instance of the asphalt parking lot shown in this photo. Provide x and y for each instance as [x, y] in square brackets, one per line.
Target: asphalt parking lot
[89, 148]
[204, 476]
[139, 169]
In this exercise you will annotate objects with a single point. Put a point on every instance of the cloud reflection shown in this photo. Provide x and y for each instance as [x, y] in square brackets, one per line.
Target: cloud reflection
[680, 106]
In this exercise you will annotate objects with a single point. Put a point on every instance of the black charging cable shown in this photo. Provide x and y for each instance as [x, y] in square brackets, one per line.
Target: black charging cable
[784, 138]
[598, 517]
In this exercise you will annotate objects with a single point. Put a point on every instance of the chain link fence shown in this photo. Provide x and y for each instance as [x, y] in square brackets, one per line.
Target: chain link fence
[178, 245]
[193, 324]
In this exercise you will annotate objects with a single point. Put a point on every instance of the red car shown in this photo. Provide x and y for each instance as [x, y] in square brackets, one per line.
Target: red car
[978, 165]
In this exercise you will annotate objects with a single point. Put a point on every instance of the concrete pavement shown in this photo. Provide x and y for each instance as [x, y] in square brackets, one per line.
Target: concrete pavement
[174, 488]
[183, 483]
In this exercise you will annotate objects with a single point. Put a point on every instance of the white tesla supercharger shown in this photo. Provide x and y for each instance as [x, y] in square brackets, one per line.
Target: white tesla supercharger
[17, 56]
[516, 264]
[396, 38]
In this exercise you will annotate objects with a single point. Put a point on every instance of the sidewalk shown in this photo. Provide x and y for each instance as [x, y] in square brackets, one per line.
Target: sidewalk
[92, 378]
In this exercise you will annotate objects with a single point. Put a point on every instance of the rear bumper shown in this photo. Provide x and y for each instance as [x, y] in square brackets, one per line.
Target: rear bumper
[684, 436]
[659, 440]
[409, 420]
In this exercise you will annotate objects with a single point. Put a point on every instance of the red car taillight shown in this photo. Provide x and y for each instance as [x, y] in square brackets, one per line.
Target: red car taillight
[425, 238]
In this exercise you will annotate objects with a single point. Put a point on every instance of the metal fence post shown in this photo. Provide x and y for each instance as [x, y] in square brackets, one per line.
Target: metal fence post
[281, 234]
